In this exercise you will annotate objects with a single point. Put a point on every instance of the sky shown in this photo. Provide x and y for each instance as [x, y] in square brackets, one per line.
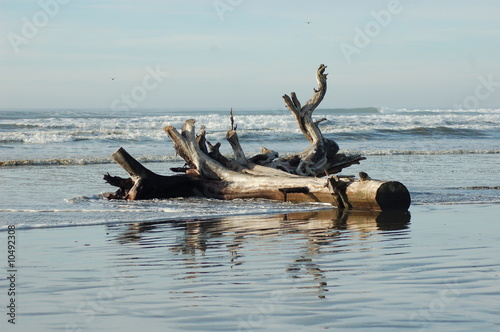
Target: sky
[245, 54]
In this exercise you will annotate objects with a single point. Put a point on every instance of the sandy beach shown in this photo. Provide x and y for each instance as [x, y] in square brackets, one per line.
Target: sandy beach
[434, 270]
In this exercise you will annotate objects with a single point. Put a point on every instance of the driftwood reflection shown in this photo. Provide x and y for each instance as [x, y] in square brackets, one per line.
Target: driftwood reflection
[134, 232]
[321, 228]
[316, 224]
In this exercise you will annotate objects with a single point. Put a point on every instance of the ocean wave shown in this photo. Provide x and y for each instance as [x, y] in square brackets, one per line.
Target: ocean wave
[82, 161]
[45, 136]
[285, 131]
[174, 158]
[389, 110]
[358, 110]
[396, 152]
[347, 123]
[434, 131]
[478, 188]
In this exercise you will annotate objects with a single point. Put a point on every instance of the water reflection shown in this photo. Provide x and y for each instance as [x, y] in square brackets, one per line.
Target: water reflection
[134, 233]
[320, 226]
[231, 234]
[303, 248]
[324, 227]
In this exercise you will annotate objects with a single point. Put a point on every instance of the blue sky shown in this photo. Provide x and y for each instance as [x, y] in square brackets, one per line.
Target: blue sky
[247, 53]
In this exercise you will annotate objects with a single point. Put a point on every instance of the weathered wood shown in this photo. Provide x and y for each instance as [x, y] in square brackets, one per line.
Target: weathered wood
[344, 192]
[185, 145]
[217, 156]
[239, 155]
[297, 178]
[211, 169]
[320, 155]
[378, 195]
[320, 159]
[145, 184]
[265, 157]
[286, 191]
[124, 186]
[201, 140]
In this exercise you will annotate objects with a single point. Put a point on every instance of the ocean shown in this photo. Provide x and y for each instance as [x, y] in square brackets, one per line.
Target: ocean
[85, 263]
[52, 161]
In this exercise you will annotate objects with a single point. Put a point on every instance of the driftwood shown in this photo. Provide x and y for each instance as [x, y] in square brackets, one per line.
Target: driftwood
[320, 156]
[297, 178]
[143, 183]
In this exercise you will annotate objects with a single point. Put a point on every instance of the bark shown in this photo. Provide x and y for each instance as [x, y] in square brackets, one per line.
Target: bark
[145, 184]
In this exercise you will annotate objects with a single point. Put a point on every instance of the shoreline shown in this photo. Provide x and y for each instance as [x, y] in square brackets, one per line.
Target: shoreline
[322, 207]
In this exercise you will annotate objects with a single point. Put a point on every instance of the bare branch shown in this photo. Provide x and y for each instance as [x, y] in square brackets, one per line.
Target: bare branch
[201, 140]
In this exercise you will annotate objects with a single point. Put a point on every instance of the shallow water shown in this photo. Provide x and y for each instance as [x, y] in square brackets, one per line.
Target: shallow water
[437, 269]
[59, 195]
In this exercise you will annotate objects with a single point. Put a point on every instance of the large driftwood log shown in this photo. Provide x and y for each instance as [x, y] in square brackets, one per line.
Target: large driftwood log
[343, 192]
[294, 178]
[207, 177]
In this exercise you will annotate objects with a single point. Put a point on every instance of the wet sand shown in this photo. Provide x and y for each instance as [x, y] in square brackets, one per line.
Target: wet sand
[436, 269]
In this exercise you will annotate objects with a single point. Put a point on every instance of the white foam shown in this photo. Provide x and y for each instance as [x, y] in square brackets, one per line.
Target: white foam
[150, 128]
[394, 152]
[83, 161]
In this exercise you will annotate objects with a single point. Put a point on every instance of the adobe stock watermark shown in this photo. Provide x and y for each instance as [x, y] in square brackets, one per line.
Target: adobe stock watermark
[31, 27]
[432, 310]
[363, 37]
[485, 88]
[150, 82]
[263, 310]
[224, 6]
[93, 306]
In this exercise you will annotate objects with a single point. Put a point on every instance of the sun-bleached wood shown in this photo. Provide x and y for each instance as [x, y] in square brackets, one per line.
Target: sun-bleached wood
[296, 178]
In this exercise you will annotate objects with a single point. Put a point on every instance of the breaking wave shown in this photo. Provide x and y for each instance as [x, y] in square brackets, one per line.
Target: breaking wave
[82, 161]
[175, 158]
[364, 123]
[51, 137]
